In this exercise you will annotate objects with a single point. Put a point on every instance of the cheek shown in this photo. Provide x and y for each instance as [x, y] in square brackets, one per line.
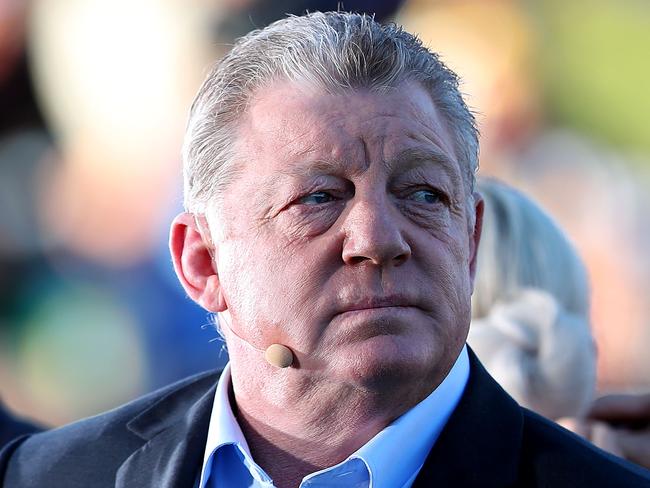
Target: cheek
[244, 274]
[446, 261]
[457, 243]
[446, 242]
[265, 285]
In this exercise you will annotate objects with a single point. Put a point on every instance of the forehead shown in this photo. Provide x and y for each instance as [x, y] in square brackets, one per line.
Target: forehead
[288, 125]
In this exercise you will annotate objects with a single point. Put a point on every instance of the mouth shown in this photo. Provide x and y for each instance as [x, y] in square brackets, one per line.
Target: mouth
[374, 318]
[378, 304]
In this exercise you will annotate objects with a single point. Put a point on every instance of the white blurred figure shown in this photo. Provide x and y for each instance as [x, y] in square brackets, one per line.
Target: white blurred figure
[530, 309]
[115, 79]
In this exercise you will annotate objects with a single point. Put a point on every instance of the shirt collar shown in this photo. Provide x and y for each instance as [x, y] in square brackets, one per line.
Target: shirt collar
[418, 429]
[409, 438]
[225, 430]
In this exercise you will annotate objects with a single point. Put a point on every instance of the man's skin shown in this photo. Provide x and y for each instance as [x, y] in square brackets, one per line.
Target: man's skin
[350, 236]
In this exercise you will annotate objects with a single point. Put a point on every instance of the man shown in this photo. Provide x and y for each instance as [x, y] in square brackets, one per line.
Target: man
[332, 224]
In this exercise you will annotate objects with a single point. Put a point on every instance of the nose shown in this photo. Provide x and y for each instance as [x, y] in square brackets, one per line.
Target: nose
[373, 235]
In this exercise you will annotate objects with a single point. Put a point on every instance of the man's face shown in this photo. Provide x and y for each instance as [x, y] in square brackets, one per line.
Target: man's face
[345, 236]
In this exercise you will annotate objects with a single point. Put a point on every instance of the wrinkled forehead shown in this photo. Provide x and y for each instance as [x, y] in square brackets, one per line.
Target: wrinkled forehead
[288, 120]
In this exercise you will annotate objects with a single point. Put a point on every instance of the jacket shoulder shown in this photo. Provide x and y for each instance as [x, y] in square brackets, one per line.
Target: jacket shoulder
[561, 458]
[12, 427]
[97, 445]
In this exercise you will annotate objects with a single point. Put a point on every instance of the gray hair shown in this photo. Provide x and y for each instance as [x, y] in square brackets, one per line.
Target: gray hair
[522, 247]
[530, 310]
[334, 51]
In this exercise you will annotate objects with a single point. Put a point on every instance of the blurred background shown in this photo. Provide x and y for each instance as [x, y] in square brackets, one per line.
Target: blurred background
[93, 102]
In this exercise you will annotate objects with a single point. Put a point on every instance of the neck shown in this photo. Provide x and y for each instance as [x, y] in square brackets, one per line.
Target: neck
[288, 451]
[297, 427]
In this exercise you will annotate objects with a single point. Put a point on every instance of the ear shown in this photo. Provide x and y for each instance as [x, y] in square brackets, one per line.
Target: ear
[194, 265]
[475, 236]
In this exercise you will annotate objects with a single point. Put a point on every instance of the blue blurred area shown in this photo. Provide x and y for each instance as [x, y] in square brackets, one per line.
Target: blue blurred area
[178, 334]
[87, 327]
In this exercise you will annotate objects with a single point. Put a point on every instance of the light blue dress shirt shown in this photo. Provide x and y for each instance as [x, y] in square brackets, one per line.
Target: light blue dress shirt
[391, 459]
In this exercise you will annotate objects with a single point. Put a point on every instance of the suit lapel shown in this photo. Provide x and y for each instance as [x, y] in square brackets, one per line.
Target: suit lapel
[175, 430]
[480, 445]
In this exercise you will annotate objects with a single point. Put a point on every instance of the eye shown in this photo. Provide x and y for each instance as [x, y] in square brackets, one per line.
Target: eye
[425, 196]
[316, 198]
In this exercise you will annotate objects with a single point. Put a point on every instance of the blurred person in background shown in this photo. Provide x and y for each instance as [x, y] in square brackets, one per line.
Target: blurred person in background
[332, 224]
[530, 309]
[563, 125]
[531, 328]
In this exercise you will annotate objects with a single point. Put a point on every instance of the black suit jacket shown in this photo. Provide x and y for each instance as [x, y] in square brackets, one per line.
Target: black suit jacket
[158, 441]
[11, 427]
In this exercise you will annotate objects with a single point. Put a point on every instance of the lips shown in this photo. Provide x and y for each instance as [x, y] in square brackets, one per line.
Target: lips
[370, 303]
[366, 318]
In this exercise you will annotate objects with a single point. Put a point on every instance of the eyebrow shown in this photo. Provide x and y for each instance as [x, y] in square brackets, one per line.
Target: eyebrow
[405, 160]
[269, 186]
[419, 156]
[314, 168]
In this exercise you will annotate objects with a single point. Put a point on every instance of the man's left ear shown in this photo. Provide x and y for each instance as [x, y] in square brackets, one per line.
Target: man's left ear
[194, 263]
[475, 236]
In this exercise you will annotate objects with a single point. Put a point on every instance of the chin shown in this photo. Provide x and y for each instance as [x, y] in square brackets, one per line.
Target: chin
[385, 363]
